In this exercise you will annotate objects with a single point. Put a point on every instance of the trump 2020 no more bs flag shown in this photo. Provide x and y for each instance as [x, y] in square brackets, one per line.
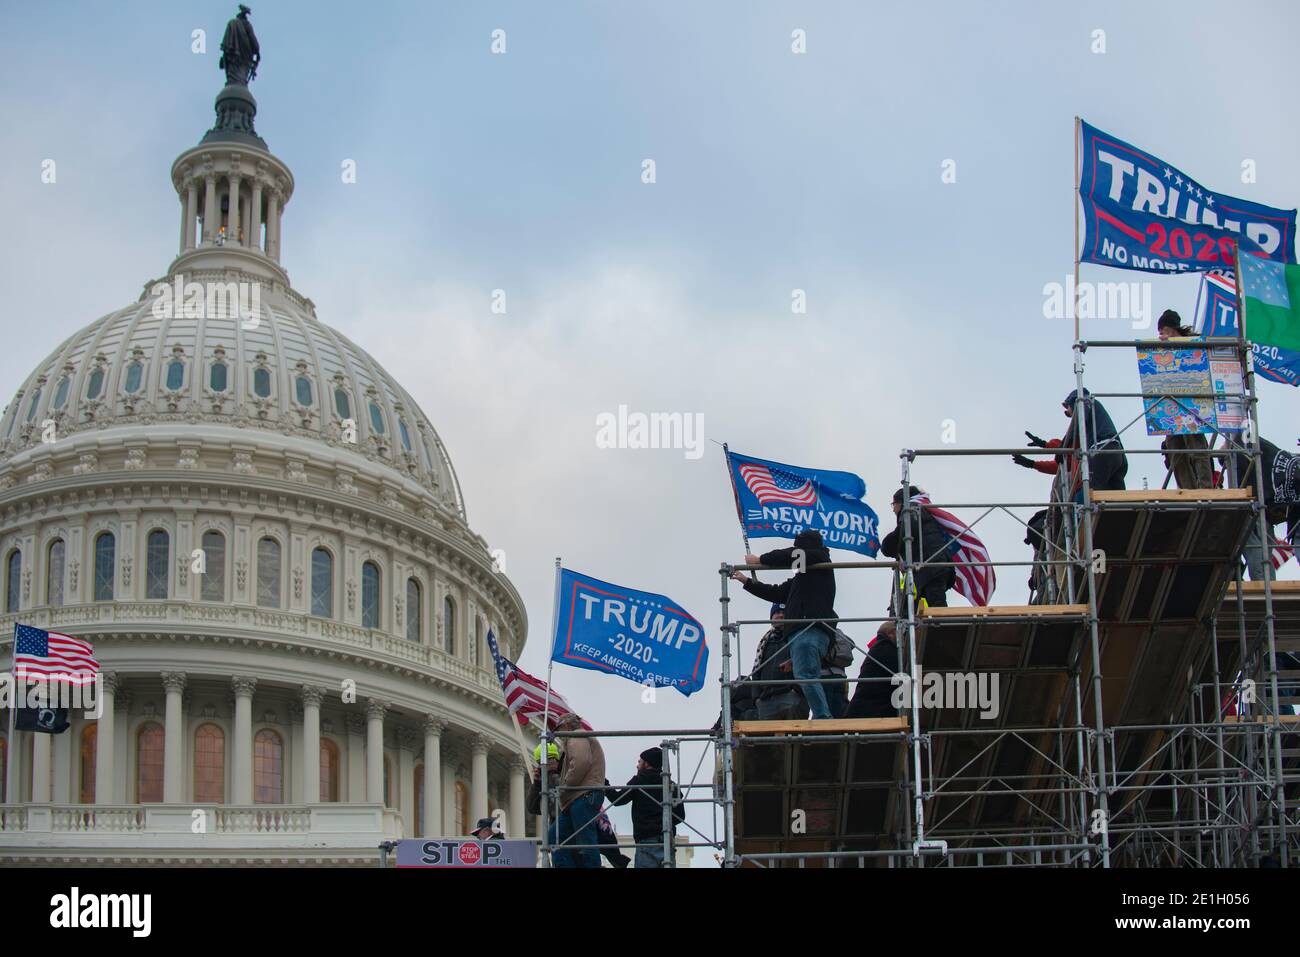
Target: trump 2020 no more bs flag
[638, 635]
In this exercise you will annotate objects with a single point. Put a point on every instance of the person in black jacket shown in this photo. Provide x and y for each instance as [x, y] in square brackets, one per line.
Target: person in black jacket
[1281, 484]
[645, 793]
[809, 594]
[767, 702]
[874, 698]
[930, 543]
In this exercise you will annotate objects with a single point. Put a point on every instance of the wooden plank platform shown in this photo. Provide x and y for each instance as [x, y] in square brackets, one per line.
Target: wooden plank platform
[828, 726]
[1004, 611]
[1181, 495]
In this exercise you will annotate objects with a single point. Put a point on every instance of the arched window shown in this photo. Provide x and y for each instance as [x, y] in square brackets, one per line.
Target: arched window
[134, 376]
[89, 751]
[342, 404]
[302, 390]
[388, 782]
[217, 377]
[175, 374]
[419, 800]
[268, 767]
[262, 382]
[369, 595]
[322, 583]
[55, 559]
[157, 562]
[4, 770]
[13, 580]
[414, 610]
[209, 765]
[478, 641]
[268, 573]
[61, 392]
[96, 382]
[329, 771]
[213, 587]
[149, 763]
[406, 436]
[462, 807]
[449, 624]
[105, 559]
[36, 400]
[376, 419]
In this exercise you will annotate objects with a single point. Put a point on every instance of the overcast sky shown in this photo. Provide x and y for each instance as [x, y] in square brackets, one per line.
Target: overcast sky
[523, 172]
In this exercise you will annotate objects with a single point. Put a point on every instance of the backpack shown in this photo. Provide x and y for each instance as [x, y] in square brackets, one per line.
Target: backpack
[839, 651]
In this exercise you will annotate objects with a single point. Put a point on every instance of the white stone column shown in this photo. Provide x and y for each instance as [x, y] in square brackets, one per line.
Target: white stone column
[185, 218]
[356, 783]
[173, 739]
[211, 214]
[232, 230]
[41, 758]
[273, 226]
[311, 699]
[478, 778]
[242, 778]
[375, 750]
[433, 728]
[255, 217]
[63, 766]
[191, 214]
[104, 736]
[407, 742]
[518, 790]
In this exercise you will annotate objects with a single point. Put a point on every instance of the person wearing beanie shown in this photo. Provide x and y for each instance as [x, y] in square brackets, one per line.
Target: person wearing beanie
[810, 594]
[582, 792]
[929, 544]
[1190, 470]
[645, 792]
[1107, 465]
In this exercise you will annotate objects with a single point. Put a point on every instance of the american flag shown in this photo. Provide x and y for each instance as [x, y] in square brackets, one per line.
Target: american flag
[526, 695]
[50, 656]
[1279, 553]
[778, 485]
[976, 582]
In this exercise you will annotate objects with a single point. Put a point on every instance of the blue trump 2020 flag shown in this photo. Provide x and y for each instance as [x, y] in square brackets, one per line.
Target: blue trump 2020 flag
[780, 501]
[1218, 317]
[1143, 213]
[638, 635]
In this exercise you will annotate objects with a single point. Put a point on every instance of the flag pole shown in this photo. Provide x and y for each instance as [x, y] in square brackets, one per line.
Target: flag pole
[546, 723]
[1077, 200]
[11, 758]
[735, 493]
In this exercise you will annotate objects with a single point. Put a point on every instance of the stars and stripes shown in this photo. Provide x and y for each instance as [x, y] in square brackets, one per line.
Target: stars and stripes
[974, 581]
[49, 656]
[1279, 552]
[778, 485]
[526, 695]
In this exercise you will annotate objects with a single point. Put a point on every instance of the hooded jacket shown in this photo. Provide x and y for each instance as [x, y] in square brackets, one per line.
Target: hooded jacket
[930, 543]
[584, 768]
[645, 793]
[809, 594]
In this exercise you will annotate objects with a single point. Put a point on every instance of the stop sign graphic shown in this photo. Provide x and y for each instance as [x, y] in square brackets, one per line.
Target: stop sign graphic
[469, 853]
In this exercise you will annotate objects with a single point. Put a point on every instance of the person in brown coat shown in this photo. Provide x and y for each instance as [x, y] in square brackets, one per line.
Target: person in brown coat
[582, 793]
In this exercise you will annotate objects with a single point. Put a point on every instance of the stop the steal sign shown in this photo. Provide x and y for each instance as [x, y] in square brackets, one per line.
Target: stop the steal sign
[466, 853]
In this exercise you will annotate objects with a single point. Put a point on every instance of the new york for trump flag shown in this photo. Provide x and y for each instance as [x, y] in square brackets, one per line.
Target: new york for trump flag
[780, 501]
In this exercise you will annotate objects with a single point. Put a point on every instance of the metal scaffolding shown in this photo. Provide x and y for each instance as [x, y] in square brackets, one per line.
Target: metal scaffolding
[1143, 717]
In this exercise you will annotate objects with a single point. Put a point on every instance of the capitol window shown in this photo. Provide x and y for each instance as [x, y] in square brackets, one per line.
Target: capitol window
[414, 610]
[88, 757]
[262, 383]
[268, 768]
[322, 583]
[406, 436]
[175, 374]
[376, 419]
[329, 771]
[134, 376]
[105, 559]
[149, 763]
[96, 383]
[54, 562]
[61, 392]
[302, 387]
[449, 624]
[36, 400]
[268, 573]
[209, 765]
[342, 404]
[157, 561]
[217, 377]
[13, 580]
[478, 641]
[369, 595]
[213, 587]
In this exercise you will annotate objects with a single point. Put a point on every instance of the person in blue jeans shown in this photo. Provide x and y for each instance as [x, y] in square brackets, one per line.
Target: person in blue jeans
[581, 796]
[809, 594]
[645, 792]
[577, 826]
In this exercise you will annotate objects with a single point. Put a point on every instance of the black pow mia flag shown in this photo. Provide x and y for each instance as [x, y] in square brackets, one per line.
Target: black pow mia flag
[42, 720]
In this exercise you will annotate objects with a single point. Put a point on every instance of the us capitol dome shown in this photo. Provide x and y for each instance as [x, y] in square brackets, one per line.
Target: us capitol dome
[264, 538]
